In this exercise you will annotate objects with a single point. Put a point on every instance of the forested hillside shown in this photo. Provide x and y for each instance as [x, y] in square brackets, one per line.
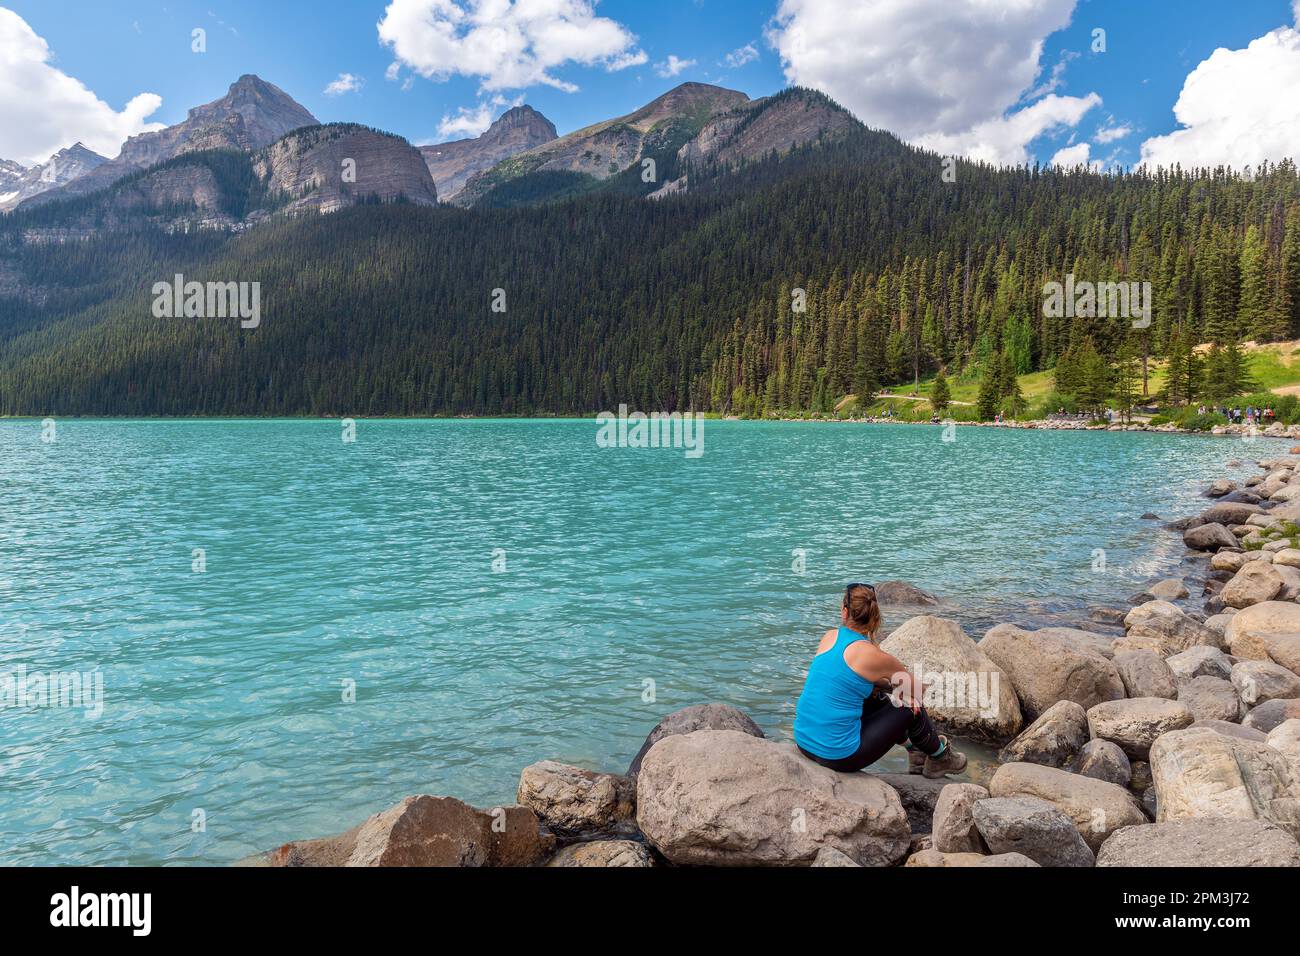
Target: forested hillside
[689, 301]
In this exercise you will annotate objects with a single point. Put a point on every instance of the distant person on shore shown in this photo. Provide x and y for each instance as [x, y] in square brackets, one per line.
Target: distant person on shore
[847, 718]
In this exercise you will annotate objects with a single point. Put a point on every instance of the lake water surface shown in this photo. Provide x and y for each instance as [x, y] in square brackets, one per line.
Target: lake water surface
[497, 592]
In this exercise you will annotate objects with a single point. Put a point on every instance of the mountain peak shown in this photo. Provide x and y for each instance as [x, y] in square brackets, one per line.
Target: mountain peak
[518, 129]
[264, 106]
[81, 151]
[699, 100]
[252, 114]
[522, 118]
[524, 113]
[691, 91]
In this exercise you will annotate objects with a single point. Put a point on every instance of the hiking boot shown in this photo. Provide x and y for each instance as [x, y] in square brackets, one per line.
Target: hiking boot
[915, 761]
[950, 761]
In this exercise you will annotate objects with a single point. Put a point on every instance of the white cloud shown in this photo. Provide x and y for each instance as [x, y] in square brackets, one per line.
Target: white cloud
[749, 53]
[1077, 155]
[43, 110]
[1110, 131]
[1237, 108]
[507, 45]
[673, 65]
[346, 83]
[469, 122]
[950, 75]
[1004, 139]
[1053, 82]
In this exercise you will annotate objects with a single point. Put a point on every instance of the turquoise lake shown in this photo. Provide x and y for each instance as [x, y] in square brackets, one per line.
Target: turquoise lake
[499, 591]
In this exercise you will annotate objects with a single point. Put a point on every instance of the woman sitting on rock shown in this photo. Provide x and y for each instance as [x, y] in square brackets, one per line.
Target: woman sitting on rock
[846, 717]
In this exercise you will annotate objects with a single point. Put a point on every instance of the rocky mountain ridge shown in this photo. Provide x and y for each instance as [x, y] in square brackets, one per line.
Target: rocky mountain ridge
[329, 167]
[519, 159]
[516, 130]
[314, 168]
[65, 166]
[605, 149]
[252, 114]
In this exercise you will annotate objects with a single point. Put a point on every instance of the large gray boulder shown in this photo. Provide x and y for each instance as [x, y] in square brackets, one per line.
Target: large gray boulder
[1230, 513]
[829, 856]
[1258, 682]
[1097, 808]
[604, 853]
[903, 593]
[1207, 842]
[937, 859]
[1267, 632]
[1170, 589]
[1104, 760]
[967, 694]
[1285, 738]
[1210, 698]
[1053, 739]
[1160, 627]
[1230, 561]
[1232, 730]
[1278, 648]
[1200, 661]
[1135, 724]
[1032, 826]
[1201, 773]
[1085, 642]
[953, 828]
[1145, 674]
[1219, 622]
[573, 801]
[693, 718]
[726, 798]
[1268, 715]
[1209, 537]
[1045, 669]
[1255, 583]
[428, 831]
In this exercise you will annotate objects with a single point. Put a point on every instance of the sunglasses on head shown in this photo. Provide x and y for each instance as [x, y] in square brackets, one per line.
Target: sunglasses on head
[858, 584]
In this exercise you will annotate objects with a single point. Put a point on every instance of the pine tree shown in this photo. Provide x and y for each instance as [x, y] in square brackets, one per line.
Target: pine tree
[1014, 399]
[1094, 379]
[1289, 294]
[1254, 315]
[1177, 384]
[1127, 379]
[940, 396]
[1219, 296]
[986, 404]
[1217, 386]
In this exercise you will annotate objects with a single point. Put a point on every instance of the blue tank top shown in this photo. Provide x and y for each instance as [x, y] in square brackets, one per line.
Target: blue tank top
[828, 716]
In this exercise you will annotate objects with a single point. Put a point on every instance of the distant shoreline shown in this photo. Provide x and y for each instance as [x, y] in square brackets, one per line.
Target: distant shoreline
[1236, 431]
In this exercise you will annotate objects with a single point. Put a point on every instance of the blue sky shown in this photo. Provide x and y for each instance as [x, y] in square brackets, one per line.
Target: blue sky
[942, 74]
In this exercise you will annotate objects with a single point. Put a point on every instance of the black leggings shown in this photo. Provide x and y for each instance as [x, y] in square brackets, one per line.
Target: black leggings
[883, 726]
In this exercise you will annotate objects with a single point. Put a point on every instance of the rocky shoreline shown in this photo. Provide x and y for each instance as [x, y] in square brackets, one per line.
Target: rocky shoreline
[1247, 432]
[1175, 744]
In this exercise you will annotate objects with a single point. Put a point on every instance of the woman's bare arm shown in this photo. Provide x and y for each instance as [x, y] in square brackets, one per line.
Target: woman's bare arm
[882, 668]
